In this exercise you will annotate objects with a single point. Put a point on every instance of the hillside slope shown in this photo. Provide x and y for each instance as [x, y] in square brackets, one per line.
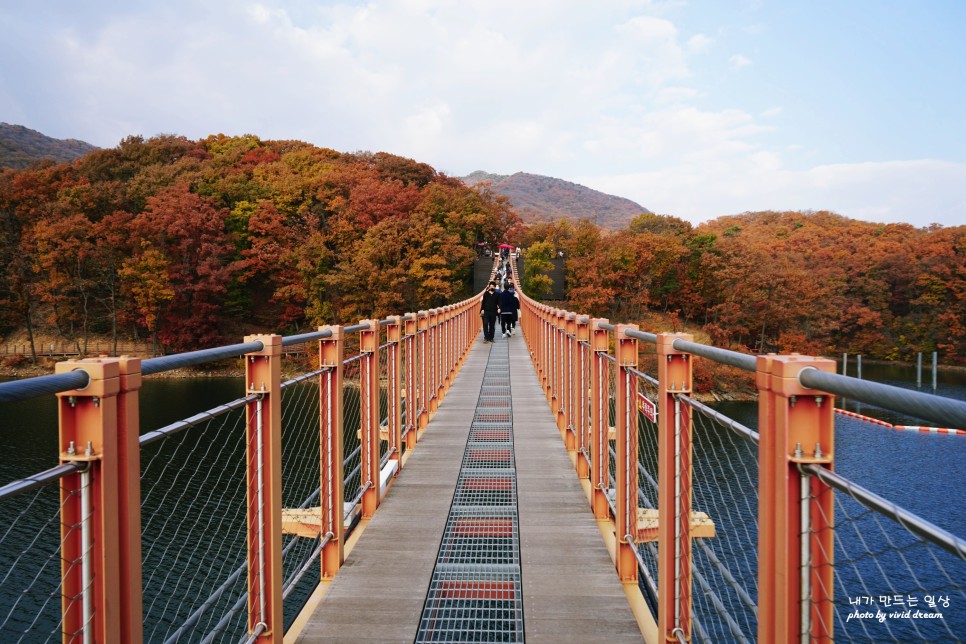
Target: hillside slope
[540, 198]
[20, 146]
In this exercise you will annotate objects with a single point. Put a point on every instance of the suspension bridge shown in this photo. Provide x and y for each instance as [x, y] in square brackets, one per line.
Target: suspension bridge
[420, 485]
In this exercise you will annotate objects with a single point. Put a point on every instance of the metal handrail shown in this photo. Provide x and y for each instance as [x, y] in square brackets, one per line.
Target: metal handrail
[911, 522]
[642, 335]
[42, 385]
[725, 356]
[915, 403]
[191, 358]
[306, 337]
[38, 480]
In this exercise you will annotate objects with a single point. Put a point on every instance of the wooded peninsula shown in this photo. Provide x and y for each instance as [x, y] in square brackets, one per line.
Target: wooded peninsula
[189, 244]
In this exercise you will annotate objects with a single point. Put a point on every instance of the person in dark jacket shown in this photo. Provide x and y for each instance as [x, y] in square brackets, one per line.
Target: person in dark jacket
[508, 310]
[489, 308]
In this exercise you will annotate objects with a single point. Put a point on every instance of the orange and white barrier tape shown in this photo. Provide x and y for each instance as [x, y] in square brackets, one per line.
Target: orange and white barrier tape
[865, 418]
[931, 430]
[908, 428]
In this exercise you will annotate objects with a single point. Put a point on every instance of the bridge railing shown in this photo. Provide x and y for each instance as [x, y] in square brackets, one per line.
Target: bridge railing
[215, 525]
[737, 533]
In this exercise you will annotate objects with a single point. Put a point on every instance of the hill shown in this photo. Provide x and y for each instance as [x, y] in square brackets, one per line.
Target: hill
[185, 244]
[20, 147]
[539, 198]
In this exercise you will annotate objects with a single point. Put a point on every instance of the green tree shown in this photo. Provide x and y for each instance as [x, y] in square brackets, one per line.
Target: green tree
[536, 263]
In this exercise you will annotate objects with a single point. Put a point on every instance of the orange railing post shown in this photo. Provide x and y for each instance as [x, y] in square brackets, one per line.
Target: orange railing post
[446, 320]
[796, 426]
[369, 416]
[546, 355]
[599, 420]
[473, 325]
[559, 387]
[534, 337]
[570, 343]
[581, 416]
[626, 452]
[90, 531]
[422, 342]
[433, 358]
[674, 489]
[449, 345]
[129, 499]
[440, 355]
[409, 389]
[466, 331]
[443, 351]
[331, 482]
[394, 388]
[470, 321]
[264, 473]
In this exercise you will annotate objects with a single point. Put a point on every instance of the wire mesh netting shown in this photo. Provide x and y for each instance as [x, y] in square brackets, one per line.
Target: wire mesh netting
[409, 368]
[352, 422]
[890, 583]
[388, 355]
[647, 487]
[193, 518]
[300, 486]
[584, 384]
[610, 398]
[30, 566]
[725, 487]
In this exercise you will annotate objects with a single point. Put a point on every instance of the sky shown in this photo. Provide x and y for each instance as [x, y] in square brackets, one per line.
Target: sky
[696, 109]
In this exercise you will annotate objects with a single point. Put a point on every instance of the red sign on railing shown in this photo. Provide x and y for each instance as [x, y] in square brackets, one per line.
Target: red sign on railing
[647, 407]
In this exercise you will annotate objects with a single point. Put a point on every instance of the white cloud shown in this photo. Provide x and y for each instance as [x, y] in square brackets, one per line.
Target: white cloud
[610, 92]
[668, 95]
[896, 191]
[738, 61]
[699, 44]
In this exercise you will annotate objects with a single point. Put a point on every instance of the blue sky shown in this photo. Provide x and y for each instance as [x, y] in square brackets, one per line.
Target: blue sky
[695, 109]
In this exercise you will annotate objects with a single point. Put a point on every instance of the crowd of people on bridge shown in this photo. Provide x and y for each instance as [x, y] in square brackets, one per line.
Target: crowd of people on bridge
[500, 302]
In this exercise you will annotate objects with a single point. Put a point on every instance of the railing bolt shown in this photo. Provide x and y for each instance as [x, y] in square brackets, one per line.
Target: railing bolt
[818, 450]
[798, 450]
[263, 386]
[818, 401]
[90, 448]
[72, 401]
[71, 449]
[792, 400]
[96, 401]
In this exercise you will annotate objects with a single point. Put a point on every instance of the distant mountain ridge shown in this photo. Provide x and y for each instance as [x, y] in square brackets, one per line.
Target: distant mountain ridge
[20, 147]
[539, 198]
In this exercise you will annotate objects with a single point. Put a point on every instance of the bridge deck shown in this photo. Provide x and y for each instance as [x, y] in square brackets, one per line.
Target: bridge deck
[570, 589]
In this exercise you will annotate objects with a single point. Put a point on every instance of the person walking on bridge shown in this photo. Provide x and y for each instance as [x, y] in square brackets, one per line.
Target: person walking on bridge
[489, 308]
[508, 309]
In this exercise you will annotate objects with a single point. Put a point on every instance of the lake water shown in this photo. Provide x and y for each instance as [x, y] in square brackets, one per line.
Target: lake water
[921, 472]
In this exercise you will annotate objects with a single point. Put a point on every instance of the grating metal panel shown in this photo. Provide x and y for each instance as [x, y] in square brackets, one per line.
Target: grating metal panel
[476, 591]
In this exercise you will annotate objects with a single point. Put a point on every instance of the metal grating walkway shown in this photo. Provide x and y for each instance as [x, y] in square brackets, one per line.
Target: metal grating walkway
[571, 594]
[476, 591]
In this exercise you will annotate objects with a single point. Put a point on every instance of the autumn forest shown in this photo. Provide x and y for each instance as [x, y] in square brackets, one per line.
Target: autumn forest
[193, 243]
